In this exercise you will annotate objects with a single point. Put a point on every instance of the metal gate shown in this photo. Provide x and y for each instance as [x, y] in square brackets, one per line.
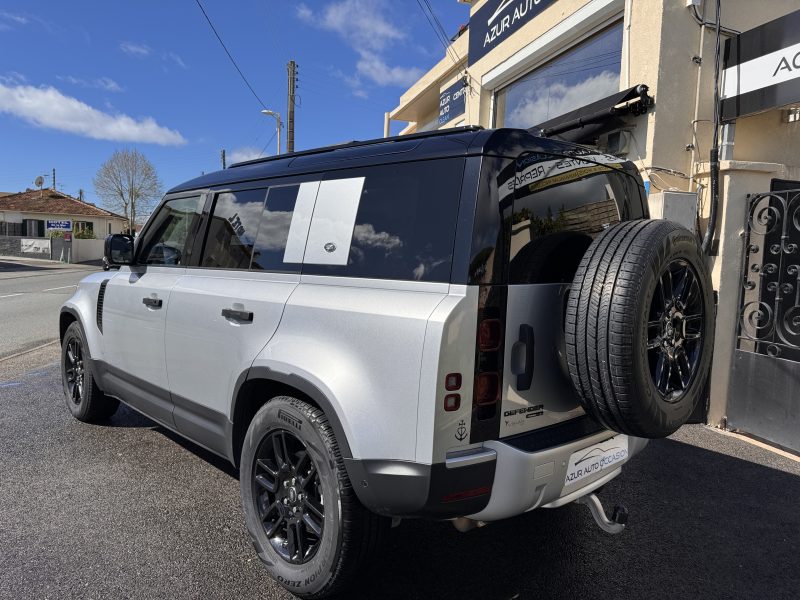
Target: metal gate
[765, 390]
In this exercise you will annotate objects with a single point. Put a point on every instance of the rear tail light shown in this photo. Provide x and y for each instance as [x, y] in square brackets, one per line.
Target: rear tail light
[487, 388]
[452, 382]
[452, 402]
[490, 334]
[456, 496]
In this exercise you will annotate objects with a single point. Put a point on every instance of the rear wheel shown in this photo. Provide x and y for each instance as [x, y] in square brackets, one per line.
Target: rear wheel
[305, 521]
[639, 327]
[85, 400]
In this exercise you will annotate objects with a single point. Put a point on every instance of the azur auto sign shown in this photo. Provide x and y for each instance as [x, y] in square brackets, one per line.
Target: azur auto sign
[496, 20]
[452, 103]
[762, 68]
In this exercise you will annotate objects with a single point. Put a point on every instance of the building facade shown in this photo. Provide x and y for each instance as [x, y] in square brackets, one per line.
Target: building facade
[636, 78]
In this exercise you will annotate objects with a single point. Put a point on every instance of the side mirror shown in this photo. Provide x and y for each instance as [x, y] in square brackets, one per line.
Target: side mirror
[119, 249]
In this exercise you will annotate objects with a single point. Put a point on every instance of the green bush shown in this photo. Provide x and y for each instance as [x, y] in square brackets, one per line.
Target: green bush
[84, 235]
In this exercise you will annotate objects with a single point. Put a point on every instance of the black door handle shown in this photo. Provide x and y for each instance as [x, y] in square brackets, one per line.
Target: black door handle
[238, 315]
[525, 379]
[152, 302]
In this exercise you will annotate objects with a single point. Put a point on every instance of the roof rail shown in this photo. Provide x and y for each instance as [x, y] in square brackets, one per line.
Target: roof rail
[356, 144]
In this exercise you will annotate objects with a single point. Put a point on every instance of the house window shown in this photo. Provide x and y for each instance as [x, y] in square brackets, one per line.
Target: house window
[83, 226]
[581, 75]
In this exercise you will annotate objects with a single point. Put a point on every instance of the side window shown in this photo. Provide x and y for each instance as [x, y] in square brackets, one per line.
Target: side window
[387, 222]
[169, 237]
[560, 205]
[233, 229]
[281, 237]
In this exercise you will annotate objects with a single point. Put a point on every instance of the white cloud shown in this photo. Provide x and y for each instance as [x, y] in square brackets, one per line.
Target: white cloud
[13, 78]
[546, 102]
[100, 83]
[373, 67]
[13, 17]
[366, 235]
[363, 25]
[48, 108]
[243, 153]
[175, 58]
[137, 50]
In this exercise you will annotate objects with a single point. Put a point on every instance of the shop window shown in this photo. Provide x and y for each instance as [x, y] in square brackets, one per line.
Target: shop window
[581, 75]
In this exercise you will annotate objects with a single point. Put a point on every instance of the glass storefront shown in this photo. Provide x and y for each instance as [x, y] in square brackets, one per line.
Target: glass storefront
[585, 73]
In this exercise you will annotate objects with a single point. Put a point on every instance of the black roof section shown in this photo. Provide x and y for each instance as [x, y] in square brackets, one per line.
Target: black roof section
[444, 143]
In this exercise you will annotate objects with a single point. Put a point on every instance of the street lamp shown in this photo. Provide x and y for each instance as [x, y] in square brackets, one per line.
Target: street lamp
[272, 113]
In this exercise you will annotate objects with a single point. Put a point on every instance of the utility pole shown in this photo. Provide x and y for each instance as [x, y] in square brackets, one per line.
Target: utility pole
[54, 179]
[222, 156]
[292, 69]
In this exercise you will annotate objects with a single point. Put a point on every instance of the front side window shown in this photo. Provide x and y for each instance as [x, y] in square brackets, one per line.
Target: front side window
[387, 222]
[233, 229]
[169, 237]
[586, 73]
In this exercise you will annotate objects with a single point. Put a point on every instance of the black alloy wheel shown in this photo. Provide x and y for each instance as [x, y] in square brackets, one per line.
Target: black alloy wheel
[288, 496]
[74, 370]
[675, 330]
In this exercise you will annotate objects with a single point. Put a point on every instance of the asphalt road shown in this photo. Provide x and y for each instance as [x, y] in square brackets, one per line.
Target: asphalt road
[31, 293]
[128, 510]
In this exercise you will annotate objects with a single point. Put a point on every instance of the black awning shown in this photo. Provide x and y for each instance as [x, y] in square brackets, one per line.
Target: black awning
[599, 116]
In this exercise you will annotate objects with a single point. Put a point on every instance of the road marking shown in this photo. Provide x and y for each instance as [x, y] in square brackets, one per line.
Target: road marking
[5, 358]
[10, 295]
[63, 287]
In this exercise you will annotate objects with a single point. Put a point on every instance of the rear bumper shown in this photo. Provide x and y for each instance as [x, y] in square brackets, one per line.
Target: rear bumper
[527, 480]
[488, 483]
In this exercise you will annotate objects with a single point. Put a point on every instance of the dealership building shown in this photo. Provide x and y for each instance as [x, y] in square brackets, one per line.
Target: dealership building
[636, 78]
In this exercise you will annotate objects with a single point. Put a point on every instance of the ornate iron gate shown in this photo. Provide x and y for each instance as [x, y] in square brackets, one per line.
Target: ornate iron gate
[765, 393]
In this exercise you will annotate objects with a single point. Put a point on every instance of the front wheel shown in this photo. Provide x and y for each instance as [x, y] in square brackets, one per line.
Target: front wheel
[306, 523]
[85, 400]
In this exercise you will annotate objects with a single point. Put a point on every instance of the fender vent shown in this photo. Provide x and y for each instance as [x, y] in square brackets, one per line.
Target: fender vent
[100, 297]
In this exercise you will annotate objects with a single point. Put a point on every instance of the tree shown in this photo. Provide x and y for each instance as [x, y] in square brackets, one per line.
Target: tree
[128, 184]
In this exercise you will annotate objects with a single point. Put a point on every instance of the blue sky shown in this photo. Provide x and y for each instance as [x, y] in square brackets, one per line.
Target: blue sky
[80, 79]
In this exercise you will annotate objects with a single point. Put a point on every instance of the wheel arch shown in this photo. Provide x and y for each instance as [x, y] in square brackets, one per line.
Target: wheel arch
[258, 385]
[66, 318]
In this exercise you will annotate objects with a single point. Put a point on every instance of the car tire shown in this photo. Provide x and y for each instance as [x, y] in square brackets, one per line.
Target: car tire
[290, 452]
[639, 327]
[85, 400]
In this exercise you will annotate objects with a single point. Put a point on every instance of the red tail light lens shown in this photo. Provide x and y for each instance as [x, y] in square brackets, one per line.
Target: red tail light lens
[490, 334]
[455, 496]
[452, 382]
[487, 388]
[452, 402]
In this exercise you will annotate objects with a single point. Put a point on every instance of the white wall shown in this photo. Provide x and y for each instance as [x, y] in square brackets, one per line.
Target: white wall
[83, 250]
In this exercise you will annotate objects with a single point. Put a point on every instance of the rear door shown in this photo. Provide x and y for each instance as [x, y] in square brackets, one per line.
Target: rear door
[136, 303]
[225, 309]
[559, 206]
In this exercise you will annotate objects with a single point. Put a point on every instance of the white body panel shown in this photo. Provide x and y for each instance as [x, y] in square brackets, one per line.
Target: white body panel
[133, 333]
[360, 342]
[206, 352]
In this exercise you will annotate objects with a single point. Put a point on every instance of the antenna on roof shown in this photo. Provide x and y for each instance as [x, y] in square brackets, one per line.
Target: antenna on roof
[39, 183]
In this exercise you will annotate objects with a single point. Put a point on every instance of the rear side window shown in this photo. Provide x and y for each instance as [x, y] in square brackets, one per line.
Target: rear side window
[271, 253]
[394, 222]
[169, 237]
[233, 229]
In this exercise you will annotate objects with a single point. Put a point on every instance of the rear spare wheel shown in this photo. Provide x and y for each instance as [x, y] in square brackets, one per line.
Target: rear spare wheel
[640, 327]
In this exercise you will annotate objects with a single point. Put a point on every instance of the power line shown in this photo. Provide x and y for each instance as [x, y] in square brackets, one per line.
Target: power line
[438, 31]
[230, 56]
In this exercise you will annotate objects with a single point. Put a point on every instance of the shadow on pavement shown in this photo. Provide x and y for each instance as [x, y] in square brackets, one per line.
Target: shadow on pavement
[8, 267]
[702, 525]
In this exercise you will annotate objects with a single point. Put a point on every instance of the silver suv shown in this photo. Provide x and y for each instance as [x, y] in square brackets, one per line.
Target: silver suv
[462, 325]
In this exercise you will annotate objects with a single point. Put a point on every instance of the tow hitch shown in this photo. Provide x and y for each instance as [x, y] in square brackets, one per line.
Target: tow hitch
[618, 519]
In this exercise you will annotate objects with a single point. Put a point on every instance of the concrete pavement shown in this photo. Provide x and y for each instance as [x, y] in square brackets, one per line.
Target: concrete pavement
[129, 510]
[31, 292]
